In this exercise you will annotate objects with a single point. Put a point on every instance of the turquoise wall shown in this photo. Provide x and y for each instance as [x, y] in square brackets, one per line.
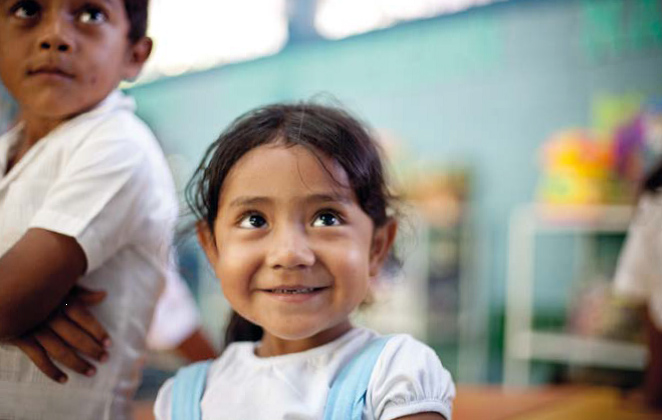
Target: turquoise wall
[483, 88]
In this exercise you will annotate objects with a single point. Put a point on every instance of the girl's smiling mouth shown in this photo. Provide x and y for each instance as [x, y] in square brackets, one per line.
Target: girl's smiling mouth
[295, 293]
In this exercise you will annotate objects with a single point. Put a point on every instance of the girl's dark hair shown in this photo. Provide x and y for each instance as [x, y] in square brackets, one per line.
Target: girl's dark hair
[323, 130]
[136, 13]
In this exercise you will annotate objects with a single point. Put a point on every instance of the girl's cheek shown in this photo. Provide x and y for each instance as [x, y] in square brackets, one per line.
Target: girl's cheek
[237, 258]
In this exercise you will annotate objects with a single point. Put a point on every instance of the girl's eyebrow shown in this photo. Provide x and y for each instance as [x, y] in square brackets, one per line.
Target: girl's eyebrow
[247, 201]
[244, 201]
[329, 198]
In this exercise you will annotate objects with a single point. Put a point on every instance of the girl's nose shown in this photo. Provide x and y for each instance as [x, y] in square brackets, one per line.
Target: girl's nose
[290, 250]
[54, 35]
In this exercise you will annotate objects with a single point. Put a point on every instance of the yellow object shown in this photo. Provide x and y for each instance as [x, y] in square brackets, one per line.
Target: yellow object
[577, 169]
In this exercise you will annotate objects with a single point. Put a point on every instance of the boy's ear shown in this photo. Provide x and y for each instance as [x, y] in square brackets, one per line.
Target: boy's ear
[207, 243]
[382, 242]
[139, 52]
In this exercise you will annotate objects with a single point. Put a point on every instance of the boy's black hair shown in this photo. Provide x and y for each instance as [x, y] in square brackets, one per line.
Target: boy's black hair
[323, 130]
[136, 13]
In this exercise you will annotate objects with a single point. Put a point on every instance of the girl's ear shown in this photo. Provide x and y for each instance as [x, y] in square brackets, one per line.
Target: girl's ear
[382, 242]
[206, 239]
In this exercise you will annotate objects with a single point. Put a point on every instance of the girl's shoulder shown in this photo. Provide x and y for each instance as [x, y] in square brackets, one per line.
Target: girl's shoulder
[409, 378]
[403, 353]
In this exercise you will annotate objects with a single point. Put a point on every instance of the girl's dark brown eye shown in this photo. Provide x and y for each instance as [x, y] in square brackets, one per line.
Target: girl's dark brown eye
[252, 221]
[326, 219]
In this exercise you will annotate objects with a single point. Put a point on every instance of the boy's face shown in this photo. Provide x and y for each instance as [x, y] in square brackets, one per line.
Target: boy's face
[59, 58]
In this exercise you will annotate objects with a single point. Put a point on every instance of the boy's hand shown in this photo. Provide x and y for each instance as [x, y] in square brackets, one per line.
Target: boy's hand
[68, 333]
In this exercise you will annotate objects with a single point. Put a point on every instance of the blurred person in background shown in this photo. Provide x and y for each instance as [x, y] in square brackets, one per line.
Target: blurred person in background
[176, 323]
[639, 269]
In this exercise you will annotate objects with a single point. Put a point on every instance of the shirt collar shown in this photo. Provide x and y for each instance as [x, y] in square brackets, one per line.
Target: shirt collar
[7, 143]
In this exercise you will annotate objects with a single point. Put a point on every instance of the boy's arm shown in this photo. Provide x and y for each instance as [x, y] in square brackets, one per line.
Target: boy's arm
[42, 312]
[71, 331]
[36, 275]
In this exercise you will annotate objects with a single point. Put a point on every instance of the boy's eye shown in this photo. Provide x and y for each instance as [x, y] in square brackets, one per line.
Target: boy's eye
[252, 221]
[326, 218]
[92, 15]
[25, 9]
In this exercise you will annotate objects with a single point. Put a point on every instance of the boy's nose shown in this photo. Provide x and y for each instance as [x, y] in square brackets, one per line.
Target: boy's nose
[53, 35]
[55, 45]
[290, 250]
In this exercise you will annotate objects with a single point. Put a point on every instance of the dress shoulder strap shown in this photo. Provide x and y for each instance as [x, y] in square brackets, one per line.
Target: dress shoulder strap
[187, 390]
[348, 392]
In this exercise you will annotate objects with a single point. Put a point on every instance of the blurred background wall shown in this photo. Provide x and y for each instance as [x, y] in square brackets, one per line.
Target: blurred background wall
[481, 89]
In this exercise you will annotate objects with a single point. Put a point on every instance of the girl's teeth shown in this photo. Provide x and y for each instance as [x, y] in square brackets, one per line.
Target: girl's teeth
[294, 291]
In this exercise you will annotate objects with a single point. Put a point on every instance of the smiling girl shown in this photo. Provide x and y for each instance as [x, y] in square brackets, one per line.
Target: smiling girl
[294, 216]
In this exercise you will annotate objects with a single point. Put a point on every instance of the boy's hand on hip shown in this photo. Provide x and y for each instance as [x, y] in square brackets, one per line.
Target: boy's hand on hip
[69, 333]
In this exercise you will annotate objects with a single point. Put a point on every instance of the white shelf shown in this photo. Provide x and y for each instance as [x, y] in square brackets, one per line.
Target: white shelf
[579, 219]
[522, 343]
[579, 350]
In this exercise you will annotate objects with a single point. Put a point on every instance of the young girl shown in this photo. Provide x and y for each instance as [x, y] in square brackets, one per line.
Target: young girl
[296, 220]
[639, 275]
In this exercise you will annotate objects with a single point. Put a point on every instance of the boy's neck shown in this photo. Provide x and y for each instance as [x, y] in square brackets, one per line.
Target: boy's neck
[37, 126]
[34, 129]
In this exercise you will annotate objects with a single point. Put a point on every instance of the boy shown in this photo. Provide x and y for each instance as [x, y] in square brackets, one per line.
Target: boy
[86, 202]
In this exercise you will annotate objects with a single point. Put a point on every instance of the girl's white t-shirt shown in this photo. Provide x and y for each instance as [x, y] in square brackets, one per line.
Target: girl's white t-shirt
[408, 378]
[639, 270]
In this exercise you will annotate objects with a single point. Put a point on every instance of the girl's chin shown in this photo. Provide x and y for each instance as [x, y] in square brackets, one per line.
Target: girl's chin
[295, 338]
[295, 335]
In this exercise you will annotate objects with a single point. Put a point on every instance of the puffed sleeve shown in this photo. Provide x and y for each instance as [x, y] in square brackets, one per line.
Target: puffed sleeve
[408, 378]
[163, 403]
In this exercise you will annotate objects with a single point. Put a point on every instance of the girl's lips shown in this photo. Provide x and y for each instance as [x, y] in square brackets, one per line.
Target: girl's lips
[295, 294]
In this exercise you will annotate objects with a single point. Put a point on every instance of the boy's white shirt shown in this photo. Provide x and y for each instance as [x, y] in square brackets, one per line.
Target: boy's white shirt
[407, 379]
[101, 178]
[639, 269]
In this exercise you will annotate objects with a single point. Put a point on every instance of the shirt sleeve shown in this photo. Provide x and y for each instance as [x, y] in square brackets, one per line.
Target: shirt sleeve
[639, 261]
[408, 379]
[99, 198]
[163, 403]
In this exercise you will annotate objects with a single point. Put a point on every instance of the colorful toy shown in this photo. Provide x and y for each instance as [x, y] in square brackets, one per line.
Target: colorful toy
[576, 169]
[580, 169]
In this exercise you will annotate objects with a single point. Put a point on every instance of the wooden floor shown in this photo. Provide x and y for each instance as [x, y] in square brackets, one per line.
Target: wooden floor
[550, 403]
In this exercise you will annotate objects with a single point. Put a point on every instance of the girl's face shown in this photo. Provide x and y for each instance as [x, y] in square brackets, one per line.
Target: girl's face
[291, 246]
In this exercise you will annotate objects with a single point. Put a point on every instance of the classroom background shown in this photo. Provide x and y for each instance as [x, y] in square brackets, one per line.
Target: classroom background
[517, 130]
